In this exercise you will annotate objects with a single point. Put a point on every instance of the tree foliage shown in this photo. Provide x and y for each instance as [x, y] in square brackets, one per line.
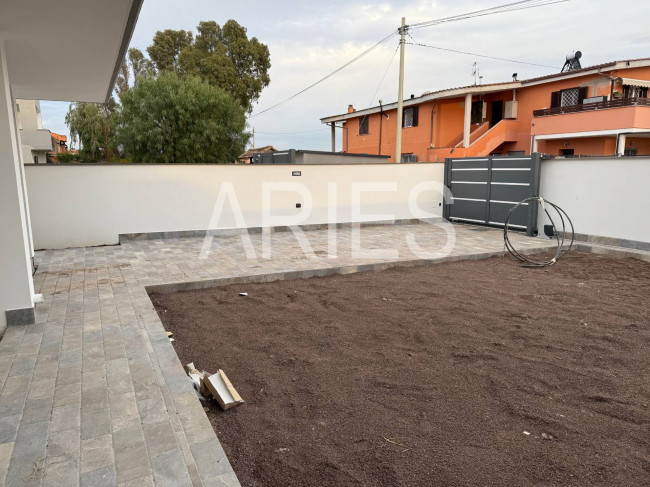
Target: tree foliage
[174, 119]
[134, 67]
[92, 125]
[223, 56]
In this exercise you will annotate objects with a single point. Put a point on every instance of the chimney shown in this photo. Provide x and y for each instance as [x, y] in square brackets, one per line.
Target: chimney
[351, 109]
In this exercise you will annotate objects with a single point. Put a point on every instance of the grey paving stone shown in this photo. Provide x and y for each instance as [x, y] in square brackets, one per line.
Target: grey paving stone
[95, 398]
[95, 422]
[37, 410]
[131, 457]
[12, 405]
[119, 384]
[146, 481]
[9, 428]
[61, 474]
[41, 388]
[210, 459]
[5, 455]
[123, 405]
[93, 379]
[16, 385]
[29, 447]
[169, 470]
[63, 446]
[66, 417]
[103, 477]
[159, 437]
[97, 453]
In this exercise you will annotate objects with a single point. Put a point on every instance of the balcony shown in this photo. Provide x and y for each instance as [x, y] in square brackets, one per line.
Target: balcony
[37, 139]
[605, 118]
[589, 107]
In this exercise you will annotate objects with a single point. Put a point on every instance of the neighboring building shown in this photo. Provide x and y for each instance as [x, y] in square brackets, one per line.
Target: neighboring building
[293, 156]
[36, 142]
[247, 157]
[598, 110]
[60, 143]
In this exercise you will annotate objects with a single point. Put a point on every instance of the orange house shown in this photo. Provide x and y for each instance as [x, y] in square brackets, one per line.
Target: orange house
[593, 111]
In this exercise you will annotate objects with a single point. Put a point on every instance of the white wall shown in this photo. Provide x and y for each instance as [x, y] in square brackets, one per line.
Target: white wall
[607, 197]
[80, 205]
[16, 286]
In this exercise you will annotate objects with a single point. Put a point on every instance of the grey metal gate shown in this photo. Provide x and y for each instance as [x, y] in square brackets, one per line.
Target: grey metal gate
[483, 189]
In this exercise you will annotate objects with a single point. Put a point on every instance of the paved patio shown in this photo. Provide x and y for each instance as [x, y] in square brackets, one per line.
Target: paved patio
[94, 394]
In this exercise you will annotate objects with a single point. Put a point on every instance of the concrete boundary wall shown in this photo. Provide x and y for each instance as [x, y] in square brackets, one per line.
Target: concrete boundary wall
[606, 198]
[93, 204]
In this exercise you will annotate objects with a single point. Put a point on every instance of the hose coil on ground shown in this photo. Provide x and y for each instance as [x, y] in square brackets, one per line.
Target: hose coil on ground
[560, 236]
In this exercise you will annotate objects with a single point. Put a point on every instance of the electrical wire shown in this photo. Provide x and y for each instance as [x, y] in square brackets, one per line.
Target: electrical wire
[480, 55]
[499, 9]
[508, 7]
[364, 53]
[559, 236]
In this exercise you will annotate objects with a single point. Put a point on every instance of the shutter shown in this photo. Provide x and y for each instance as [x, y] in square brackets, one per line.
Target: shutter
[556, 99]
[415, 116]
[582, 94]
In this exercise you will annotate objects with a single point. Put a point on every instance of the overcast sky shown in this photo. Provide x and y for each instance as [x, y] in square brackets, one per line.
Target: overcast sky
[308, 40]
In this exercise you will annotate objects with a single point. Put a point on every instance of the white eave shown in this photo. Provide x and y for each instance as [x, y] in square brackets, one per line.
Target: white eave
[437, 95]
[67, 50]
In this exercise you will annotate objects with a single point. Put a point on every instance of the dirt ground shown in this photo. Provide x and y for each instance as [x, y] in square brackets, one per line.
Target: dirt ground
[461, 374]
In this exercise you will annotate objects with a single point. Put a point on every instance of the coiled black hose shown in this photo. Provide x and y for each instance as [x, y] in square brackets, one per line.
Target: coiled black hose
[559, 236]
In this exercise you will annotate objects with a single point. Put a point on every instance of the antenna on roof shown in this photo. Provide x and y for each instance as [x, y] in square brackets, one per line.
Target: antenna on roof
[572, 62]
[475, 71]
[514, 77]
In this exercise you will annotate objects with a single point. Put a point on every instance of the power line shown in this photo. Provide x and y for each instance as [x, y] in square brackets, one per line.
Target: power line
[508, 7]
[364, 53]
[480, 55]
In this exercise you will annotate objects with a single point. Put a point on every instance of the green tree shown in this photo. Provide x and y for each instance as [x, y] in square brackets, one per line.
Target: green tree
[166, 48]
[92, 125]
[223, 56]
[134, 67]
[174, 119]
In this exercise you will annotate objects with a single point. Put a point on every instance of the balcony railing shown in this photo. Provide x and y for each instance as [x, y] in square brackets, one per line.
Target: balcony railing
[587, 107]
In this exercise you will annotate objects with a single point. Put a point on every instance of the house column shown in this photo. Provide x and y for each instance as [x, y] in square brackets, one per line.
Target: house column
[467, 120]
[620, 146]
[16, 285]
[333, 126]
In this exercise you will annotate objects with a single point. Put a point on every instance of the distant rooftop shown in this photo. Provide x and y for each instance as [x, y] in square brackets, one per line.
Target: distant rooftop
[491, 87]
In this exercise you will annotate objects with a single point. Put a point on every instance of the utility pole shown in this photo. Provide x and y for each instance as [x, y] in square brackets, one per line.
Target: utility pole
[400, 93]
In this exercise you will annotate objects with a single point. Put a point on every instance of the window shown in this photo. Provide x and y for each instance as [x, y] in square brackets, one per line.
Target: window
[410, 118]
[635, 91]
[409, 158]
[630, 151]
[567, 152]
[567, 98]
[363, 126]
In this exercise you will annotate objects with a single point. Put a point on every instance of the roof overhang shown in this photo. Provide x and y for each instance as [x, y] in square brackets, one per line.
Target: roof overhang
[437, 95]
[495, 87]
[68, 50]
[636, 82]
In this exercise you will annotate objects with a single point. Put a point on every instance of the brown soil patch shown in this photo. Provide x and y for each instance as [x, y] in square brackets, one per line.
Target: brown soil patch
[430, 376]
